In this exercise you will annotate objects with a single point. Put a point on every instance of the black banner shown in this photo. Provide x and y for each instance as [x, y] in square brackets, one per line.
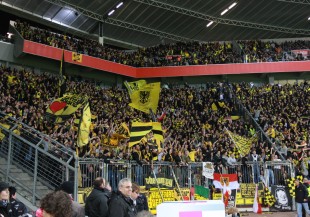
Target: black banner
[283, 198]
[232, 199]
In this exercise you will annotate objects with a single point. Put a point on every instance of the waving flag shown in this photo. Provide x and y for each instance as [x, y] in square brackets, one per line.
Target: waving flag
[225, 195]
[230, 180]
[257, 208]
[146, 98]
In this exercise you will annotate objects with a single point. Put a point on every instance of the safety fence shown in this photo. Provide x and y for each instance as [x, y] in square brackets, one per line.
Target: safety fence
[186, 176]
[32, 162]
[164, 181]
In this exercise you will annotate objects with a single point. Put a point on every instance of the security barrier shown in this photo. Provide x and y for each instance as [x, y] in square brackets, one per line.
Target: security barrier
[270, 173]
[33, 162]
[188, 177]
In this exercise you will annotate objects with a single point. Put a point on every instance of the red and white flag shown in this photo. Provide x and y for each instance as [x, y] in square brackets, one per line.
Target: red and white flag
[161, 117]
[257, 208]
[231, 181]
[225, 195]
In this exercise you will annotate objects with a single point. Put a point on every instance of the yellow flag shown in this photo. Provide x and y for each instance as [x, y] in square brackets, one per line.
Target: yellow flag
[146, 98]
[158, 133]
[134, 86]
[85, 122]
[243, 144]
[66, 105]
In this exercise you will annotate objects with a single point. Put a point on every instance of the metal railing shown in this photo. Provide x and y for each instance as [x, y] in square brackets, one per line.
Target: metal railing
[33, 162]
[271, 172]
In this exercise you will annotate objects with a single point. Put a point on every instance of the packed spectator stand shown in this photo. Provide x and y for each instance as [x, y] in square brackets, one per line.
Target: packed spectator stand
[196, 118]
[192, 122]
[178, 54]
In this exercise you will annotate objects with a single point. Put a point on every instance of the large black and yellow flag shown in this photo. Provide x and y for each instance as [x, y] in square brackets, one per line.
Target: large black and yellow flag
[62, 77]
[65, 106]
[243, 144]
[138, 131]
[84, 127]
[146, 98]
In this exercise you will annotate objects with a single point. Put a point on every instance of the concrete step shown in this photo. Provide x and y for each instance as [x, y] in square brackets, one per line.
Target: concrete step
[24, 190]
[16, 170]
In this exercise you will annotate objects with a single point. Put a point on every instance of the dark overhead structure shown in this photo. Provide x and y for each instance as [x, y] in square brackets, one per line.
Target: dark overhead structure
[150, 22]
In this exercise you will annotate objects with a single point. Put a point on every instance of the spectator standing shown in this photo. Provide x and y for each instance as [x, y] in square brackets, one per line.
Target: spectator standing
[56, 204]
[301, 198]
[18, 208]
[139, 200]
[5, 207]
[231, 162]
[306, 183]
[136, 156]
[97, 202]
[77, 209]
[121, 205]
[255, 159]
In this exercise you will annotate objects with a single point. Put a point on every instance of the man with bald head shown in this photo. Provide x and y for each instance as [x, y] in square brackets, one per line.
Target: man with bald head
[121, 204]
[97, 202]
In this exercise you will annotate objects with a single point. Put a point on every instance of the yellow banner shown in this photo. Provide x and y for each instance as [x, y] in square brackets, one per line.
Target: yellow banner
[154, 198]
[85, 122]
[77, 57]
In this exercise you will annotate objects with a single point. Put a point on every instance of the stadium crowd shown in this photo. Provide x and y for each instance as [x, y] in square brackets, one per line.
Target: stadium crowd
[283, 113]
[195, 119]
[189, 53]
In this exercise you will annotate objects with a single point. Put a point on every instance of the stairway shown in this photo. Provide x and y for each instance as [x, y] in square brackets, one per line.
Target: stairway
[23, 183]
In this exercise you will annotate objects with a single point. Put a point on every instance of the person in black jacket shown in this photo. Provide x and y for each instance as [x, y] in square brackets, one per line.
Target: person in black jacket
[5, 207]
[97, 202]
[137, 156]
[139, 200]
[18, 208]
[301, 198]
[121, 205]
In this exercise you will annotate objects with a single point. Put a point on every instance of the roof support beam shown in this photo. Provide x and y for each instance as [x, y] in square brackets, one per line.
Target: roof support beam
[198, 15]
[61, 26]
[305, 2]
[119, 23]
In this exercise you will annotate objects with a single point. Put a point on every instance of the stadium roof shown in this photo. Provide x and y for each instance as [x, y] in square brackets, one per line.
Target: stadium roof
[150, 22]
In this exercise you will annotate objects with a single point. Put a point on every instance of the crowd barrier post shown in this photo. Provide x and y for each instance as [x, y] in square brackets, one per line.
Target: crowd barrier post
[159, 191]
[176, 182]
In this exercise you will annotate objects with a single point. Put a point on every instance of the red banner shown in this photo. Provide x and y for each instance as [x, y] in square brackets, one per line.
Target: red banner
[87, 61]
[170, 71]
